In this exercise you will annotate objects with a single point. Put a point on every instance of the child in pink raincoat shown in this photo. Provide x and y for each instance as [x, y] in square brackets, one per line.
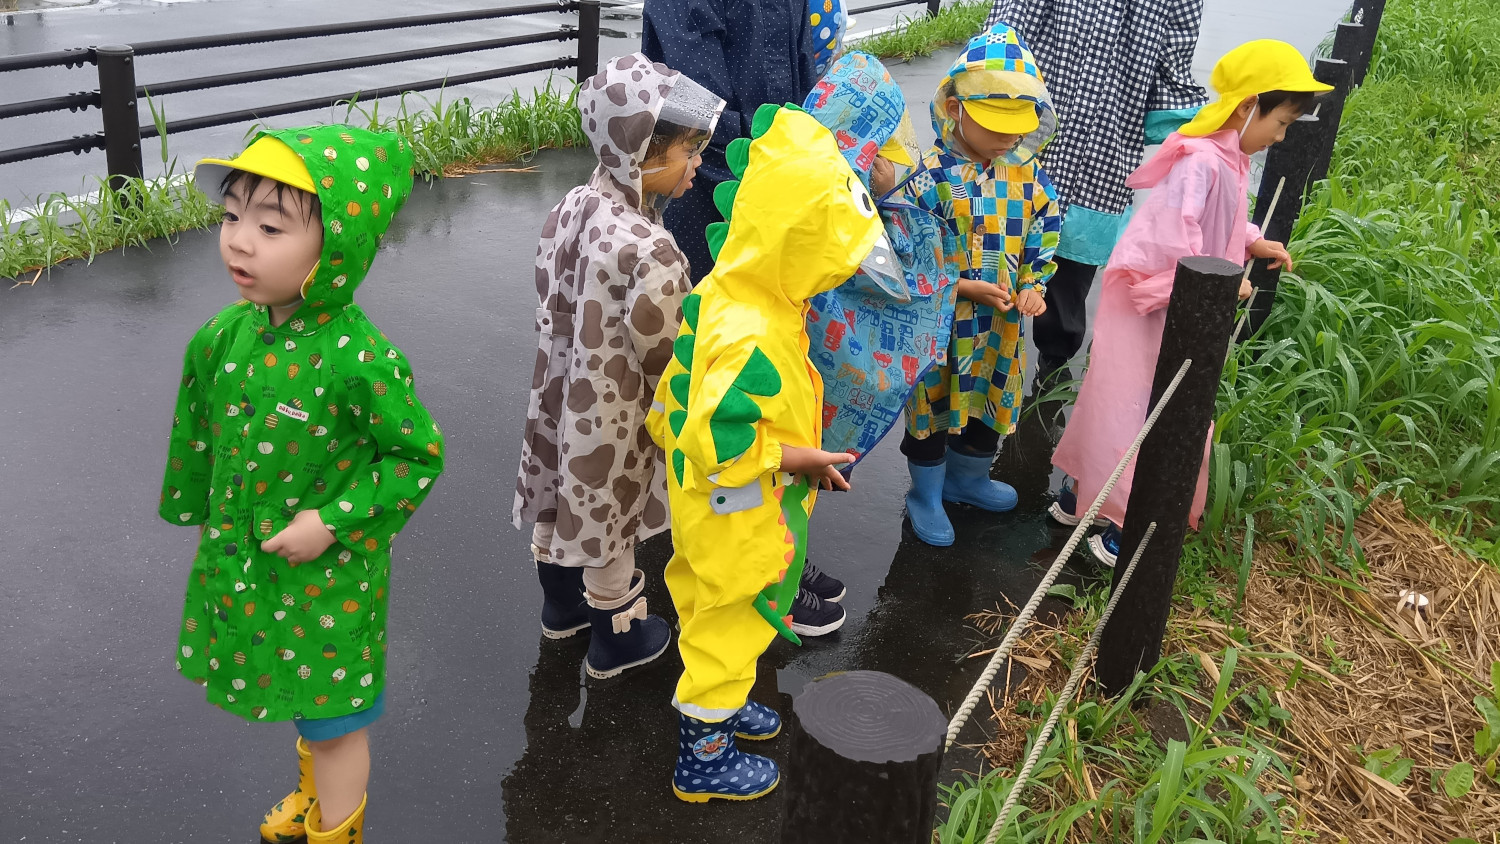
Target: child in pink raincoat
[1198, 205]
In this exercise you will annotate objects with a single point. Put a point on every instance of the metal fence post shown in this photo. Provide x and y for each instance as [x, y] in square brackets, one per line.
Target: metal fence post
[864, 761]
[122, 121]
[933, 7]
[1199, 317]
[588, 39]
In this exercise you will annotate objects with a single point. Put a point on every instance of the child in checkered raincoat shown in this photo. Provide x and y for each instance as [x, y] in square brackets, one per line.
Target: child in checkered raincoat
[992, 114]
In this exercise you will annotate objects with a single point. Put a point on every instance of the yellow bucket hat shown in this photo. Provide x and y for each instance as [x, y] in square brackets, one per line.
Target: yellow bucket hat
[1006, 115]
[1253, 68]
[267, 157]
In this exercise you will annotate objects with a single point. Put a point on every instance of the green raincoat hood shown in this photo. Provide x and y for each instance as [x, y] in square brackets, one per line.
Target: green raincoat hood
[363, 178]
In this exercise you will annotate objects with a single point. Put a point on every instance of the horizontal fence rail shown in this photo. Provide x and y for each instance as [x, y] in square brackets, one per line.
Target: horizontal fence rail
[118, 92]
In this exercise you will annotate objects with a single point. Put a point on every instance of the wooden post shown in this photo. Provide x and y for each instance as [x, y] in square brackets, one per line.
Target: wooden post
[863, 766]
[1330, 111]
[1367, 13]
[1200, 315]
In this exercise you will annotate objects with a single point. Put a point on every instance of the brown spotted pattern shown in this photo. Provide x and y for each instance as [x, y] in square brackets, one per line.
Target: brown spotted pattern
[610, 284]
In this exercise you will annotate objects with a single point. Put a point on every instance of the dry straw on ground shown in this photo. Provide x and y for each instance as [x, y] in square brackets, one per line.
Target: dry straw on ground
[1366, 672]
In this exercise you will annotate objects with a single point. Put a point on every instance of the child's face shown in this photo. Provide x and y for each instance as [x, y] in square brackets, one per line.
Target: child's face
[269, 246]
[673, 170]
[1265, 129]
[987, 145]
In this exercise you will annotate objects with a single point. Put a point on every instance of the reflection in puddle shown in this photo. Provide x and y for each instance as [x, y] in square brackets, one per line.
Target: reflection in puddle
[576, 719]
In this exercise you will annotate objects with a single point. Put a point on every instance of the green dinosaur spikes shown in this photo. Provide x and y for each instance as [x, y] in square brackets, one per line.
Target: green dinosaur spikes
[717, 232]
[733, 424]
[737, 154]
[679, 384]
[764, 117]
[724, 196]
[759, 377]
[682, 349]
[690, 305]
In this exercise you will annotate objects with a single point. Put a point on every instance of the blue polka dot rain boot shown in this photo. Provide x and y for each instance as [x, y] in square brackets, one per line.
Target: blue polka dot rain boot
[757, 722]
[710, 766]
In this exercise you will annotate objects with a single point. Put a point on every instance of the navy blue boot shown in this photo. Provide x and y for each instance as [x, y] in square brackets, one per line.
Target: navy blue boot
[757, 722]
[924, 504]
[563, 609]
[709, 765]
[968, 482]
[624, 635]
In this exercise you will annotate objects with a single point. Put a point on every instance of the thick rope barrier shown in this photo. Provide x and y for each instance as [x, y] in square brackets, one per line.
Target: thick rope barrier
[1018, 626]
[1080, 667]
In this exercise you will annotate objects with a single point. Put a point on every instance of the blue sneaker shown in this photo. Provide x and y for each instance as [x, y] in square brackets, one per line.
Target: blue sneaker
[967, 481]
[757, 722]
[1105, 545]
[1064, 510]
[710, 766]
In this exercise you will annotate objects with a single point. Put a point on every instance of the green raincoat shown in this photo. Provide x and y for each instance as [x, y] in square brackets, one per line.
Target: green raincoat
[317, 413]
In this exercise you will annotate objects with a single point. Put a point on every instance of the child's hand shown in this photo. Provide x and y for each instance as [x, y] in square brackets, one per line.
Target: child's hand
[304, 539]
[816, 465]
[1273, 250]
[984, 293]
[882, 177]
[1031, 302]
[1246, 291]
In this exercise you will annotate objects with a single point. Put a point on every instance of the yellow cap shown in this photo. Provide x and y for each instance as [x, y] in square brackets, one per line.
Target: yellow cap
[1004, 115]
[267, 157]
[896, 153]
[1254, 68]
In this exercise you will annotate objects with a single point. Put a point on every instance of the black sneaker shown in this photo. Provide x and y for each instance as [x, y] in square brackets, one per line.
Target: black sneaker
[825, 587]
[813, 616]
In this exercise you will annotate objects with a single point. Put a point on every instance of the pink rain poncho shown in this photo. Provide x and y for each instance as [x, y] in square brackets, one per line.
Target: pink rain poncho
[1198, 205]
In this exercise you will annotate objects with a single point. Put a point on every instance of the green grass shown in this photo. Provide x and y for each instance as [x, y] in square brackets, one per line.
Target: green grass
[1378, 373]
[919, 34]
[447, 137]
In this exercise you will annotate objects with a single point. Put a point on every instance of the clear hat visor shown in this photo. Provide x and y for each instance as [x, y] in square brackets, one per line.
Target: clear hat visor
[882, 267]
[692, 106]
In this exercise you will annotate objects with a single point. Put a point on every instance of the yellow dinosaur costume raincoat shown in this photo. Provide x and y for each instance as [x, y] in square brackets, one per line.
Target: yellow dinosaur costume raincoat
[740, 385]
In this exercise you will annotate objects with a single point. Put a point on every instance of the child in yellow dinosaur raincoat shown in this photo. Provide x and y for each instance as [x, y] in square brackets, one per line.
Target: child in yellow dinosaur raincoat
[738, 412]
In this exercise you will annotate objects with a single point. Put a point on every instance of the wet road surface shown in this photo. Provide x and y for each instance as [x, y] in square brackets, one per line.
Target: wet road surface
[489, 735]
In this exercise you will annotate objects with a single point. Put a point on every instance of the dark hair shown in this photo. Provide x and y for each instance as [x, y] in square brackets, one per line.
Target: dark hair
[252, 182]
[1300, 100]
[665, 135]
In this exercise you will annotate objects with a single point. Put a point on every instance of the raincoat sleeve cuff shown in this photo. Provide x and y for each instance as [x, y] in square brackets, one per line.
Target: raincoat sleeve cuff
[1253, 234]
[1163, 122]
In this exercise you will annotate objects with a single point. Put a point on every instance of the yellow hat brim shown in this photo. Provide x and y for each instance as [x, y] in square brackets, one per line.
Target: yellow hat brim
[1001, 115]
[267, 157]
[895, 152]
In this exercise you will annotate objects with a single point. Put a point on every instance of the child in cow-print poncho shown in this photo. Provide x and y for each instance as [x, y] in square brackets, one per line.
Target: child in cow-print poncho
[610, 284]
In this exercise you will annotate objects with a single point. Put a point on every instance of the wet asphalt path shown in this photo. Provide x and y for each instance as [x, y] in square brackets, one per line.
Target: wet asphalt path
[489, 735]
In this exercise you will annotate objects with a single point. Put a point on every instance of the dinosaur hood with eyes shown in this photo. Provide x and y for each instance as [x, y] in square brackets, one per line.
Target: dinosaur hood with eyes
[740, 385]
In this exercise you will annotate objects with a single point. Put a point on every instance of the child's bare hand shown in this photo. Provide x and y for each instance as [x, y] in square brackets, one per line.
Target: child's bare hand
[1273, 250]
[984, 293]
[304, 539]
[816, 465]
[1246, 291]
[1031, 302]
[882, 177]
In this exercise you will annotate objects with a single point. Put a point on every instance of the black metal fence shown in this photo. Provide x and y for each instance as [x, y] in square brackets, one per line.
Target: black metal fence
[120, 133]
[116, 97]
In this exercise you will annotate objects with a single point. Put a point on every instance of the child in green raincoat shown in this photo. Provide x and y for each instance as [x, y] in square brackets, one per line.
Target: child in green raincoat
[300, 449]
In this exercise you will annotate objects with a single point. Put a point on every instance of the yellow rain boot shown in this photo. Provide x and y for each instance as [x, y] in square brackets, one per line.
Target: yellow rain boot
[284, 823]
[351, 831]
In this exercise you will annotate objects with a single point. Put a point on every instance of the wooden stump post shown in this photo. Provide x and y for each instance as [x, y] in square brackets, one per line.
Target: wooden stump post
[1200, 316]
[863, 766]
[1330, 110]
[1367, 13]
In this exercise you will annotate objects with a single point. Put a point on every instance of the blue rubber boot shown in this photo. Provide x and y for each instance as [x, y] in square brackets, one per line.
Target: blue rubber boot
[564, 611]
[924, 504]
[710, 766]
[968, 482]
[624, 635]
[757, 722]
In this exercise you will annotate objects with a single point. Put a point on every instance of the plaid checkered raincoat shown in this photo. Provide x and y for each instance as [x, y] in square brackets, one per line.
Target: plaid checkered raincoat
[1004, 223]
